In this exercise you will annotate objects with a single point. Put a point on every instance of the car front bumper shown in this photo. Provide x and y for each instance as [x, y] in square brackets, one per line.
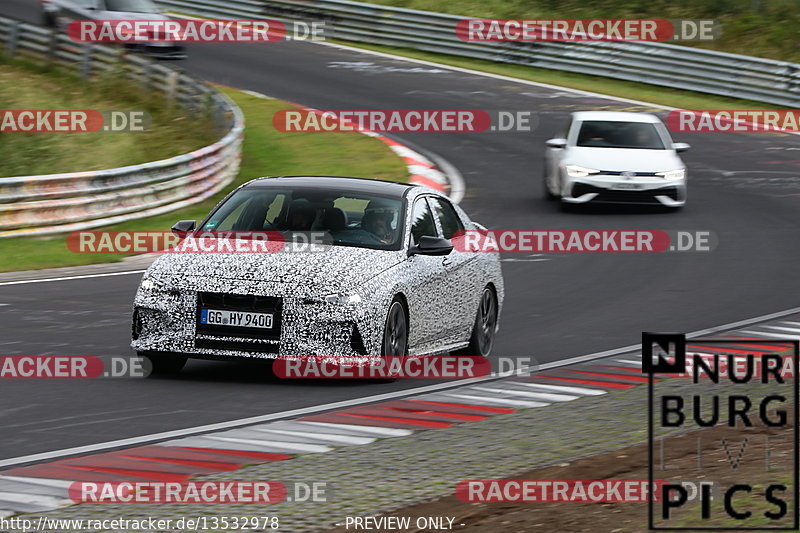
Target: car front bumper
[600, 188]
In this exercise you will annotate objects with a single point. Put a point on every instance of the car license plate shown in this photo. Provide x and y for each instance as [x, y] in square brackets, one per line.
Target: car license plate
[625, 186]
[216, 317]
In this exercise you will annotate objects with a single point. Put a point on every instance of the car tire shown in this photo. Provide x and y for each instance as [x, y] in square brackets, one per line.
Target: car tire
[481, 340]
[164, 363]
[395, 334]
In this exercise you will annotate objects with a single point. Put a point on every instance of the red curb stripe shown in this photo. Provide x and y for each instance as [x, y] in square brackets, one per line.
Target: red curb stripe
[411, 161]
[204, 465]
[637, 379]
[340, 418]
[124, 474]
[263, 456]
[422, 180]
[182, 454]
[624, 369]
[418, 414]
[608, 384]
[485, 408]
[762, 339]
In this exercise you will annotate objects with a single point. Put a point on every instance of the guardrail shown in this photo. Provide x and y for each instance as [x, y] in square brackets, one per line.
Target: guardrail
[57, 203]
[667, 65]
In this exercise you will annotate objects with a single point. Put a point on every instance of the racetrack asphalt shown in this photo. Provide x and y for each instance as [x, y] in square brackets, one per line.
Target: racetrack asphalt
[743, 187]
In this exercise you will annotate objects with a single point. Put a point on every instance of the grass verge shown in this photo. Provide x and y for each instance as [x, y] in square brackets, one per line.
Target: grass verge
[267, 152]
[26, 85]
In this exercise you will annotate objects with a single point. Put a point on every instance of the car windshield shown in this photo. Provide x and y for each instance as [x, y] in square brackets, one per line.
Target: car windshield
[613, 134]
[337, 217]
[131, 6]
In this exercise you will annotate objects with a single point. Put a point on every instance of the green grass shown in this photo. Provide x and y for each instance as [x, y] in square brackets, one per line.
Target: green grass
[26, 85]
[765, 28]
[267, 152]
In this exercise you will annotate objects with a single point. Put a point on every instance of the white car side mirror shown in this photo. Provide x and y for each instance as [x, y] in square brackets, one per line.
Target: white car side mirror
[556, 143]
[680, 147]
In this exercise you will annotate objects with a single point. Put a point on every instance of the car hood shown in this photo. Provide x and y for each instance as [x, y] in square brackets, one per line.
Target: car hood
[622, 159]
[334, 268]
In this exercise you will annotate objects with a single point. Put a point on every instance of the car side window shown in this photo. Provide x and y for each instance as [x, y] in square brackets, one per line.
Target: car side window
[422, 221]
[448, 218]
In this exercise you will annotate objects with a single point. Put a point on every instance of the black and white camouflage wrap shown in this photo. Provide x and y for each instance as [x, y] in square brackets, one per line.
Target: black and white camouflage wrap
[442, 302]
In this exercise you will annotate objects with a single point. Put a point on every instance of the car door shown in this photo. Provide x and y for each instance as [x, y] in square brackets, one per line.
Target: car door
[426, 294]
[463, 279]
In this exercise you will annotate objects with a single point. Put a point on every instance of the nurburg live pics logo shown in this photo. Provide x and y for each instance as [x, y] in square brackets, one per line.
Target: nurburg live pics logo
[743, 395]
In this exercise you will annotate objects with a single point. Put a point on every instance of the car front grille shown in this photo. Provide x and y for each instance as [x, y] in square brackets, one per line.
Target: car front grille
[264, 340]
[624, 196]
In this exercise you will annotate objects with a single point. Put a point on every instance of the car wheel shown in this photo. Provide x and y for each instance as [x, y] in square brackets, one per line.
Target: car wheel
[395, 335]
[483, 331]
[164, 363]
[395, 331]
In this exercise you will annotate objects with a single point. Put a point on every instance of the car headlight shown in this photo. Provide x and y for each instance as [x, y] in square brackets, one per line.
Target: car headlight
[343, 299]
[150, 284]
[579, 172]
[677, 174]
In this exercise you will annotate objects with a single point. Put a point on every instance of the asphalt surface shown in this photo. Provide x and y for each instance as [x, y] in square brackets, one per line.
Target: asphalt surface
[743, 187]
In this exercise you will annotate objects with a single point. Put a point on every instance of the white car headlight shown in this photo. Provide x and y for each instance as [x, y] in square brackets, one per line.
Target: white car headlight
[579, 172]
[343, 299]
[150, 284]
[677, 174]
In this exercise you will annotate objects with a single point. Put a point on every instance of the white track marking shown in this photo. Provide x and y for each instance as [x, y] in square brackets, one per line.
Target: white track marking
[323, 437]
[507, 402]
[562, 388]
[68, 278]
[375, 430]
[548, 397]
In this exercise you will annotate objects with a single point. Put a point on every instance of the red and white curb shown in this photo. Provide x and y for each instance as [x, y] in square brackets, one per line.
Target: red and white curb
[44, 486]
[421, 170]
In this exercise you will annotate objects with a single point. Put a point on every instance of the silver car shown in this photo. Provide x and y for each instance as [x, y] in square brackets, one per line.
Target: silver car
[615, 157]
[385, 280]
[59, 13]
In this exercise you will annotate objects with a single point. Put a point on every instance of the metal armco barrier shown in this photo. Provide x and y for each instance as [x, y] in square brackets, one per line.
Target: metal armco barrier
[680, 67]
[57, 203]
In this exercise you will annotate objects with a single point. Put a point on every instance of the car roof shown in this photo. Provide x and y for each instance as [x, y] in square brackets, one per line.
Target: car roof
[338, 183]
[615, 116]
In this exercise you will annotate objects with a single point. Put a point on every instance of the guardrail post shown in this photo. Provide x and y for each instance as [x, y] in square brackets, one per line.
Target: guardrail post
[52, 46]
[172, 87]
[13, 39]
[86, 62]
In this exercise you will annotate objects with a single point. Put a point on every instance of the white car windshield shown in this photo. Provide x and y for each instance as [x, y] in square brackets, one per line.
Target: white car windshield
[613, 134]
[346, 219]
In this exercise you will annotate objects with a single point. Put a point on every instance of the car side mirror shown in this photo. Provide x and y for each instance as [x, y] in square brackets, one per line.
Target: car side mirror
[431, 246]
[182, 227]
[680, 147]
[556, 143]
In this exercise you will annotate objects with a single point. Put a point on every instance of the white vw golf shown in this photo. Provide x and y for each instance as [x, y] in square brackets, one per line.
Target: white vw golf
[615, 157]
